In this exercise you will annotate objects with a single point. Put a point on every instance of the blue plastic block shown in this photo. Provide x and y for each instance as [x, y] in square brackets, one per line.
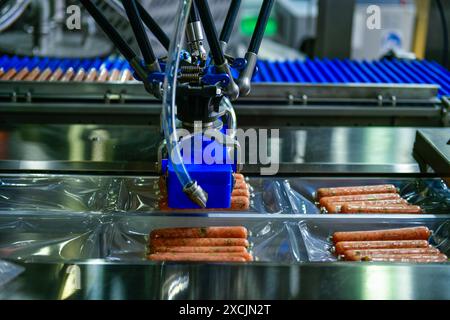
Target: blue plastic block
[216, 180]
[214, 174]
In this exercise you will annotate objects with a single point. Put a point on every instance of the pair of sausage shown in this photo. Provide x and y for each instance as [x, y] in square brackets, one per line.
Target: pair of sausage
[336, 207]
[358, 197]
[415, 233]
[343, 246]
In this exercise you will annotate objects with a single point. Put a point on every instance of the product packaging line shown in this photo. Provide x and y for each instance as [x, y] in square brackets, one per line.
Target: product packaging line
[97, 188]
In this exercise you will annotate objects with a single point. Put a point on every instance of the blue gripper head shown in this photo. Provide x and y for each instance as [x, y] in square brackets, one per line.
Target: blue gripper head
[12, 63]
[33, 63]
[22, 64]
[65, 64]
[85, 64]
[43, 64]
[75, 64]
[126, 66]
[54, 64]
[3, 60]
[96, 64]
[106, 65]
[117, 65]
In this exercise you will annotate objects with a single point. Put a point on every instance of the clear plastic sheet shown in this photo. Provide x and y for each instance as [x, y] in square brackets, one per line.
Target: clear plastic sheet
[123, 238]
[432, 195]
[35, 237]
[316, 235]
[9, 271]
[271, 241]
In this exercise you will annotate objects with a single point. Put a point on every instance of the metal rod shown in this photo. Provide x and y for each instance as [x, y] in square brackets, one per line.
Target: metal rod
[230, 20]
[245, 78]
[153, 26]
[193, 14]
[139, 32]
[260, 27]
[211, 32]
[110, 31]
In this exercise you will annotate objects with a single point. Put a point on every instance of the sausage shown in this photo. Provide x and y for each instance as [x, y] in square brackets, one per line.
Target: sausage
[126, 75]
[206, 257]
[44, 75]
[103, 76]
[343, 246]
[56, 75]
[240, 184]
[207, 232]
[9, 74]
[392, 208]
[356, 255]
[240, 203]
[92, 75]
[114, 75]
[21, 75]
[415, 233]
[33, 74]
[335, 207]
[79, 76]
[344, 191]
[359, 197]
[200, 249]
[200, 242]
[408, 258]
[240, 193]
[68, 75]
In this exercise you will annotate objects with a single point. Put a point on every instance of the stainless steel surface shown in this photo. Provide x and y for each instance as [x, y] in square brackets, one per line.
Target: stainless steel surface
[134, 149]
[206, 281]
[369, 93]
[432, 149]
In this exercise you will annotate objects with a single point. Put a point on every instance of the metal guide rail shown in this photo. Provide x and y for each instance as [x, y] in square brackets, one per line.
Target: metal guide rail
[387, 83]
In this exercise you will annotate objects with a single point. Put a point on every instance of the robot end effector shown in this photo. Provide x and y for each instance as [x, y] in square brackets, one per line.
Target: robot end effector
[195, 71]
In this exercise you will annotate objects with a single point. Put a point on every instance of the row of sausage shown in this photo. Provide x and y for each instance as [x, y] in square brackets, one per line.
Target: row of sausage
[64, 70]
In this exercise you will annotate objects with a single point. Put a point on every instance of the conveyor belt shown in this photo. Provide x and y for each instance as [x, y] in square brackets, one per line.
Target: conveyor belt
[348, 71]
[315, 71]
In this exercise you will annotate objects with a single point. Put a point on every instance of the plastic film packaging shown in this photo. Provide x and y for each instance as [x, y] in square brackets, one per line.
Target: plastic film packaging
[270, 241]
[316, 235]
[50, 238]
[101, 194]
[9, 271]
[119, 237]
